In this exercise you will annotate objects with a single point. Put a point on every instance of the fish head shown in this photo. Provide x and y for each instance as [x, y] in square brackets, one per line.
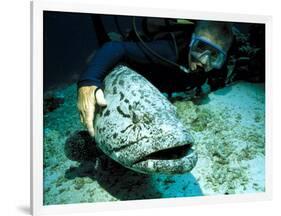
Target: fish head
[139, 127]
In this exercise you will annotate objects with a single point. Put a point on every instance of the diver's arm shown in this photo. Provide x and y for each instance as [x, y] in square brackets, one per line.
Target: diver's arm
[90, 82]
[105, 58]
[112, 53]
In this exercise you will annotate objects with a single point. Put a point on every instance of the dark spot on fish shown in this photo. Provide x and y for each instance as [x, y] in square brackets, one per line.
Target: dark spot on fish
[126, 100]
[147, 119]
[122, 141]
[114, 135]
[128, 144]
[122, 113]
[114, 90]
[130, 107]
[147, 101]
[122, 131]
[107, 113]
[121, 82]
[121, 96]
[134, 78]
[101, 129]
[135, 118]
[115, 80]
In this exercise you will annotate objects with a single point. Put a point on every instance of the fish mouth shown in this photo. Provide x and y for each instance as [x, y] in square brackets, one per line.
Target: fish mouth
[179, 159]
[168, 154]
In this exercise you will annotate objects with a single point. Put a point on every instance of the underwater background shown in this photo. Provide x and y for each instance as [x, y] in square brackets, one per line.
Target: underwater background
[228, 127]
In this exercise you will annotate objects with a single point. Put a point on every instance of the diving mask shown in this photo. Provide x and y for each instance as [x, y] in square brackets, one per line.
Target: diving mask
[203, 50]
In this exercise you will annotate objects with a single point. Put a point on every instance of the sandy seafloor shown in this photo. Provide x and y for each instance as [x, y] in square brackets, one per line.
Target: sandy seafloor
[229, 132]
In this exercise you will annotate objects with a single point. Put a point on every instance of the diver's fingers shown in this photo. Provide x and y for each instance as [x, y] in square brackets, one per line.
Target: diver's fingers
[84, 117]
[86, 104]
[89, 121]
[100, 98]
[193, 66]
[81, 118]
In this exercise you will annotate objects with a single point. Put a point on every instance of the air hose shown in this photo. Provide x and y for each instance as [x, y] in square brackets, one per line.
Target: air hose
[184, 69]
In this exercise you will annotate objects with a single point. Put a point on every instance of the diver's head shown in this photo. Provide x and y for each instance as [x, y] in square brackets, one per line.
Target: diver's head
[209, 45]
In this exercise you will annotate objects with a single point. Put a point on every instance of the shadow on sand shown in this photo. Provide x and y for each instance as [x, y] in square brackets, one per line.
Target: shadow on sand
[120, 182]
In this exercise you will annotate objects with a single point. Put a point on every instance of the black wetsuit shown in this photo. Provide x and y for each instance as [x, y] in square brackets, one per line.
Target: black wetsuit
[158, 37]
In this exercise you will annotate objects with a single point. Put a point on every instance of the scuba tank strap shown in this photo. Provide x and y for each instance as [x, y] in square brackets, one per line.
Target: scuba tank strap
[163, 59]
[175, 45]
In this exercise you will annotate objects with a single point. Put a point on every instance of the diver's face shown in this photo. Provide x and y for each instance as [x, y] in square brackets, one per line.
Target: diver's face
[206, 52]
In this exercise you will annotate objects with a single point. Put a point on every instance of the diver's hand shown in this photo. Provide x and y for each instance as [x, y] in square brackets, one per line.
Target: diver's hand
[196, 66]
[88, 97]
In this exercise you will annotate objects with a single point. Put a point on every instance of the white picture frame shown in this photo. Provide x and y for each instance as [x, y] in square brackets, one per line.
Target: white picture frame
[37, 8]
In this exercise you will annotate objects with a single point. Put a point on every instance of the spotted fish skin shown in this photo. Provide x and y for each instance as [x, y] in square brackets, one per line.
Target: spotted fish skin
[139, 121]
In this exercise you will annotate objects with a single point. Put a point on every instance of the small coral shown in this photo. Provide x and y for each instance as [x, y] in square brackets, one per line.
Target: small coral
[52, 102]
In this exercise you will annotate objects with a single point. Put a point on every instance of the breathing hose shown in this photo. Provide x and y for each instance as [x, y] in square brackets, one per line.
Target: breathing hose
[184, 69]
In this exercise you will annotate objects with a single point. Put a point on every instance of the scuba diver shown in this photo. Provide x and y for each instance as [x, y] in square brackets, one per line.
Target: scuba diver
[192, 56]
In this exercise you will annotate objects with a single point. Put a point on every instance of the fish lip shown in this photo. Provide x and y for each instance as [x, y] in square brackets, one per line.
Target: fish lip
[153, 156]
[173, 166]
